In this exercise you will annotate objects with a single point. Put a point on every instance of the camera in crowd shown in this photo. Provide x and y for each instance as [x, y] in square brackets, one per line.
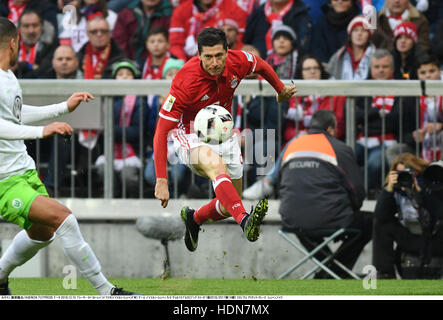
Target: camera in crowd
[433, 176]
[405, 179]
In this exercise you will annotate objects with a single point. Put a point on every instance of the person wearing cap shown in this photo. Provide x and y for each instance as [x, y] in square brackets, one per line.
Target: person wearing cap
[231, 29]
[127, 109]
[270, 15]
[406, 51]
[329, 33]
[284, 55]
[352, 61]
[391, 15]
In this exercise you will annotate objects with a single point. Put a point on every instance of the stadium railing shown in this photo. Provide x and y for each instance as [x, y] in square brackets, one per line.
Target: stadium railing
[98, 115]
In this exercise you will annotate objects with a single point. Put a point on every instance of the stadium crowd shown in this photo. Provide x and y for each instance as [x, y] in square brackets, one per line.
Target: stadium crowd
[300, 39]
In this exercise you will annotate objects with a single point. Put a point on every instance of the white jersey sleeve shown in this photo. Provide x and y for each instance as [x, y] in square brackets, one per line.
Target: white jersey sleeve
[32, 114]
[12, 131]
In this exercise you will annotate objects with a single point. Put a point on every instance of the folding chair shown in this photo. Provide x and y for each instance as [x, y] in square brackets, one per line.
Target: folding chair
[328, 236]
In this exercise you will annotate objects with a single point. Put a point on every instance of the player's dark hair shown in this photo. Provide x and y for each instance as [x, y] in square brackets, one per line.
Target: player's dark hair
[210, 37]
[322, 120]
[158, 30]
[427, 59]
[8, 30]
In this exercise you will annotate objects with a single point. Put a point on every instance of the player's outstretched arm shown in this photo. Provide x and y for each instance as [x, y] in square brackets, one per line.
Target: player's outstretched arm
[161, 159]
[284, 92]
[78, 97]
[33, 114]
[162, 191]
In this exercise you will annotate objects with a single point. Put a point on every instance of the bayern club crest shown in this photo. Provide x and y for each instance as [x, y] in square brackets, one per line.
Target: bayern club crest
[234, 82]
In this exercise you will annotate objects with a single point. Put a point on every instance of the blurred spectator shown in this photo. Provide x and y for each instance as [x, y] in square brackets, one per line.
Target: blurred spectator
[432, 9]
[298, 118]
[231, 29]
[315, 9]
[13, 9]
[301, 108]
[405, 219]
[437, 42]
[380, 108]
[36, 45]
[248, 5]
[117, 5]
[330, 34]
[101, 52]
[178, 170]
[406, 51]
[190, 17]
[134, 23]
[393, 13]
[64, 64]
[270, 15]
[157, 45]
[76, 35]
[405, 39]
[127, 122]
[321, 188]
[284, 55]
[352, 61]
[430, 120]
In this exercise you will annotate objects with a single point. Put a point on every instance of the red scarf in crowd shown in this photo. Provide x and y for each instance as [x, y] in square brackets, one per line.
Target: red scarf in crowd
[386, 102]
[154, 72]
[95, 61]
[27, 55]
[274, 19]
[126, 113]
[355, 62]
[198, 18]
[15, 11]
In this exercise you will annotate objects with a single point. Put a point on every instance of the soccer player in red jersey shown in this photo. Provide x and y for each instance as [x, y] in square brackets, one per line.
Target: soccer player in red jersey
[210, 78]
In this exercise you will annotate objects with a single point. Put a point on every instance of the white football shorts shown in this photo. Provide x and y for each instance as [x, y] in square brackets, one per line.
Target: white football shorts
[229, 151]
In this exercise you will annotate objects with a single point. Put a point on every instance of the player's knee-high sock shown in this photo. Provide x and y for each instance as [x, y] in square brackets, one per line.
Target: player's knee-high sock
[21, 250]
[81, 254]
[210, 211]
[228, 197]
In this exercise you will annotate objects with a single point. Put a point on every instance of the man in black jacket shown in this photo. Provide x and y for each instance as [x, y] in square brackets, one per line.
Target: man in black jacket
[321, 187]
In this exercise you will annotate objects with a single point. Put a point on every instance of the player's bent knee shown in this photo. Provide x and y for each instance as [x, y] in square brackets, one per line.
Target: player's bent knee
[206, 160]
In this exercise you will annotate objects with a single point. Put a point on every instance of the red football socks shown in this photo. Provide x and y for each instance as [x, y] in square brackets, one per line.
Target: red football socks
[228, 197]
[210, 211]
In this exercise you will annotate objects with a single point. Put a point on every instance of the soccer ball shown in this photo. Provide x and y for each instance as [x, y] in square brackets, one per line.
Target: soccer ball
[213, 124]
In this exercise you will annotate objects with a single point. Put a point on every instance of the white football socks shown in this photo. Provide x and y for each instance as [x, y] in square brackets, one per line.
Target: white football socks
[21, 250]
[81, 254]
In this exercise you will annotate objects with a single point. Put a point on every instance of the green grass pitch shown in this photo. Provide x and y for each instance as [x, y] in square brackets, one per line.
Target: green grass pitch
[262, 287]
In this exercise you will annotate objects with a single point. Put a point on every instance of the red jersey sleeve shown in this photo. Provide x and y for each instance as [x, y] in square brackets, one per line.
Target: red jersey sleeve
[161, 146]
[170, 115]
[250, 63]
[267, 72]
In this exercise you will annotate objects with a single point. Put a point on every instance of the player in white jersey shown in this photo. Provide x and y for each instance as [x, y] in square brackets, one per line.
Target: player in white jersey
[23, 197]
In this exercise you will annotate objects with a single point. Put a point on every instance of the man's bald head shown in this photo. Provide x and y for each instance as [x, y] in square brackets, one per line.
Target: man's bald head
[65, 62]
